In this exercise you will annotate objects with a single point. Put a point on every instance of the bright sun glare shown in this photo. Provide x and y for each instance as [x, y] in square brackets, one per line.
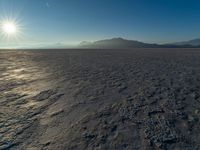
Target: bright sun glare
[9, 28]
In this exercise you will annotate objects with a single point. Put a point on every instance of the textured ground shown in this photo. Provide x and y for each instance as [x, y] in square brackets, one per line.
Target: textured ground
[143, 99]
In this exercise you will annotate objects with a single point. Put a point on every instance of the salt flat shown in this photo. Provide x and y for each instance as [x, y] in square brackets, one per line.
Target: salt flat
[100, 99]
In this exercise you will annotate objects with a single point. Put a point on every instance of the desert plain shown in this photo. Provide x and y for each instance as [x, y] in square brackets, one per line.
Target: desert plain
[137, 99]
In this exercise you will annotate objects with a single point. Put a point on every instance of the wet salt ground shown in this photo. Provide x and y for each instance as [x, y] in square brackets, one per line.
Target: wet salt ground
[100, 99]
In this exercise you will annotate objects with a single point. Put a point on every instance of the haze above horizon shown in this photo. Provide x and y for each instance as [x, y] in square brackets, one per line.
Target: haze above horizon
[43, 22]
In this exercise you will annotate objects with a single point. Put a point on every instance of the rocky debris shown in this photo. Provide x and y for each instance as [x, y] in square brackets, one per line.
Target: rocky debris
[9, 85]
[160, 132]
[14, 123]
[128, 112]
[154, 110]
[88, 136]
[44, 95]
[174, 104]
[122, 88]
[56, 112]
[9, 98]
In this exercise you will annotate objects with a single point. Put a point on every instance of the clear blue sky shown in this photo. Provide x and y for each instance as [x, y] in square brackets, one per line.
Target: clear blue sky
[72, 21]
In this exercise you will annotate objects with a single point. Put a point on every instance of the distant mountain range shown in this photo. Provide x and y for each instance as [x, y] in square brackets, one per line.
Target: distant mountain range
[118, 43]
[194, 42]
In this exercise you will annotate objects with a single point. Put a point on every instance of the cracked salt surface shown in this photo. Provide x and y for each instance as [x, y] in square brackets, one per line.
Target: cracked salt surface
[95, 99]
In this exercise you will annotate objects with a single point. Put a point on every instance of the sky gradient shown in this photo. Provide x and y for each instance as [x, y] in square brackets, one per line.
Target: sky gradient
[71, 21]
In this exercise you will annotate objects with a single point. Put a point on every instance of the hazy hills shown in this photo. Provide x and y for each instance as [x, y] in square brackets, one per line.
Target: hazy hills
[118, 43]
[194, 42]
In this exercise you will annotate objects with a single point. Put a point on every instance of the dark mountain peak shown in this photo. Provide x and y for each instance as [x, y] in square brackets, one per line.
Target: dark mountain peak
[116, 43]
[118, 39]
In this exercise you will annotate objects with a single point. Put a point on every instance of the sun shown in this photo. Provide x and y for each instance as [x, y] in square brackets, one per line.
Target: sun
[9, 28]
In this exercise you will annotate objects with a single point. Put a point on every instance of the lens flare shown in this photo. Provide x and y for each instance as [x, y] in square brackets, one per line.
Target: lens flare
[11, 31]
[9, 28]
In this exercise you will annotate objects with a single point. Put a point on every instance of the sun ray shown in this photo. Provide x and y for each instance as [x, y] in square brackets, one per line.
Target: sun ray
[11, 30]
